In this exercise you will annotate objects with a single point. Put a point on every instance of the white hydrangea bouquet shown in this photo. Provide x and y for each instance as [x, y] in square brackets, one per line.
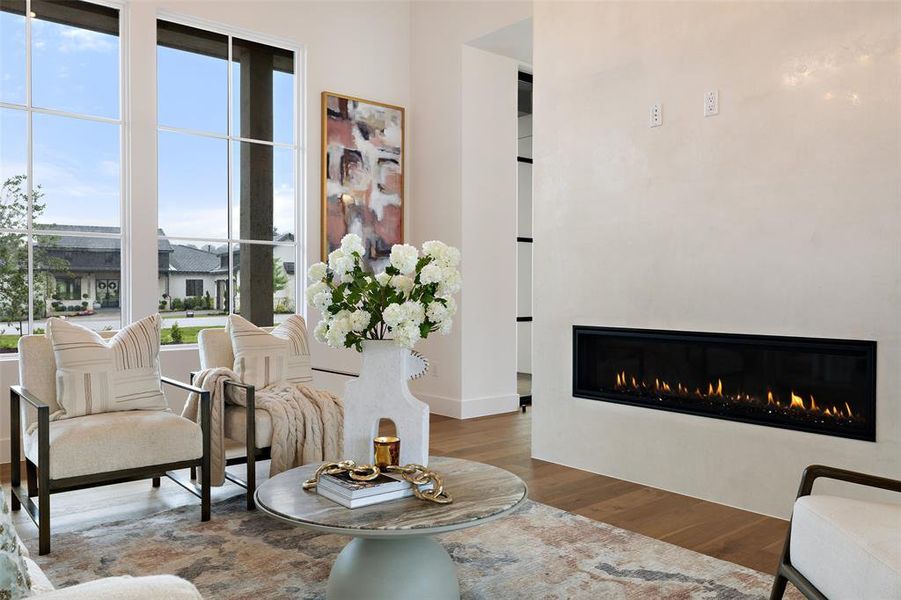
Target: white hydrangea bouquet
[412, 298]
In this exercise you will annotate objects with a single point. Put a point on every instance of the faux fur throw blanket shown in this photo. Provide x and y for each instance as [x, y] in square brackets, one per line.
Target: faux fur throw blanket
[307, 424]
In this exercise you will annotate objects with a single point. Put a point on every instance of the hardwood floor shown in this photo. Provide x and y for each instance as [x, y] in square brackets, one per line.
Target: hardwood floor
[724, 532]
[728, 533]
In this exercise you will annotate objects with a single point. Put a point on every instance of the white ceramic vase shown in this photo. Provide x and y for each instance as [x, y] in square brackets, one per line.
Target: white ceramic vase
[381, 392]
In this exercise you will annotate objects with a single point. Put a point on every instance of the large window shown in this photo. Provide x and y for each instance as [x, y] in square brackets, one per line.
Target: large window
[60, 164]
[228, 152]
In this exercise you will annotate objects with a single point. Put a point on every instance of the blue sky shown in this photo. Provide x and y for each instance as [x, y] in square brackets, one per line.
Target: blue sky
[77, 162]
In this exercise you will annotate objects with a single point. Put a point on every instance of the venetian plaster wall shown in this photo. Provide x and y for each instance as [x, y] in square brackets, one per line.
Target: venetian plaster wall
[780, 215]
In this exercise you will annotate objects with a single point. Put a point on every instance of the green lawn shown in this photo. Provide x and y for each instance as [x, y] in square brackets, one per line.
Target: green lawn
[189, 336]
[8, 343]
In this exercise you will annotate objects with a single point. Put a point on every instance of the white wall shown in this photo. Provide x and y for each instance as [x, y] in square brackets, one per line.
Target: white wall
[781, 215]
[356, 48]
[439, 31]
[487, 316]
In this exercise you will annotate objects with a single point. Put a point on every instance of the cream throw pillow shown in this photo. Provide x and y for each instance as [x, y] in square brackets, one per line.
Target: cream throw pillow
[94, 375]
[264, 358]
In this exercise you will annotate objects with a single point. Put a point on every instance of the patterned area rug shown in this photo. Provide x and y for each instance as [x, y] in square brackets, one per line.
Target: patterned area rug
[537, 552]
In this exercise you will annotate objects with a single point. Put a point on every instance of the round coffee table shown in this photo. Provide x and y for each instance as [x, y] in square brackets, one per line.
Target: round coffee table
[392, 554]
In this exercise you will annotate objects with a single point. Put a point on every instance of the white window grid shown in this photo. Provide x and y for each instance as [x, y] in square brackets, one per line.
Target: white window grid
[232, 242]
[29, 231]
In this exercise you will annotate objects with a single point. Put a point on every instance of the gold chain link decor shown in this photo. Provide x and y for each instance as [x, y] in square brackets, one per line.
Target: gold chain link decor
[417, 475]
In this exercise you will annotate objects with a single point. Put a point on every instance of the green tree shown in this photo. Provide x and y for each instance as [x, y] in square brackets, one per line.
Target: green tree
[175, 333]
[279, 276]
[14, 255]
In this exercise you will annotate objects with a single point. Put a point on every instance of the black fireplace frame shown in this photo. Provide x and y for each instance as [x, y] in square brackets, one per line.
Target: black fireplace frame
[868, 346]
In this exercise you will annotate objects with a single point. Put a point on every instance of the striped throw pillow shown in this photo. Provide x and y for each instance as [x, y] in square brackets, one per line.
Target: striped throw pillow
[94, 375]
[265, 358]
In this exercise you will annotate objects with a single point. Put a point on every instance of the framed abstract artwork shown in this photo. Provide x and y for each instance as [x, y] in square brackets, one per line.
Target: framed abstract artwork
[362, 176]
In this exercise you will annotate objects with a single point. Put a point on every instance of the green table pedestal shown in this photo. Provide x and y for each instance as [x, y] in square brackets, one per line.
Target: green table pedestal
[400, 568]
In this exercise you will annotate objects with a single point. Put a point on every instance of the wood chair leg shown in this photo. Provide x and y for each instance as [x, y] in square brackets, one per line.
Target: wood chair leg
[43, 512]
[778, 586]
[250, 442]
[156, 482]
[205, 490]
[43, 481]
[15, 452]
[205, 421]
[16, 479]
[32, 474]
[251, 479]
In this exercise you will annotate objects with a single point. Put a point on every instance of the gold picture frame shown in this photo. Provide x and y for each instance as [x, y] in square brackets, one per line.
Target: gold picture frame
[367, 183]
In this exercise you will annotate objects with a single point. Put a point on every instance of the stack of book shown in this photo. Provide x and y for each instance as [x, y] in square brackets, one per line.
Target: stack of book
[345, 491]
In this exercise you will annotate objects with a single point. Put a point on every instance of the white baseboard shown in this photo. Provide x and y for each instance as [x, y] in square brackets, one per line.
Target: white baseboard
[470, 408]
[441, 405]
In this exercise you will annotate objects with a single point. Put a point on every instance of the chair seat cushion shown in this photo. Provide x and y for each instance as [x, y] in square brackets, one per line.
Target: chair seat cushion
[236, 425]
[848, 548]
[117, 440]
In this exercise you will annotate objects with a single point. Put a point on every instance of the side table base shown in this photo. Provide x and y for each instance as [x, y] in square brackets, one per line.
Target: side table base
[393, 569]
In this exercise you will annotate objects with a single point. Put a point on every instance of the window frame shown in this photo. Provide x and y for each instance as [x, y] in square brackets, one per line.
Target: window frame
[123, 121]
[299, 146]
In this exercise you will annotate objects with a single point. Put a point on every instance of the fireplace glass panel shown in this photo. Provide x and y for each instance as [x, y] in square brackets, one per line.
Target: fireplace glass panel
[816, 385]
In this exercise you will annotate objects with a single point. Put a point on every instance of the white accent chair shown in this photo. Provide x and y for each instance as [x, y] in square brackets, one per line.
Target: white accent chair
[840, 548]
[245, 428]
[94, 450]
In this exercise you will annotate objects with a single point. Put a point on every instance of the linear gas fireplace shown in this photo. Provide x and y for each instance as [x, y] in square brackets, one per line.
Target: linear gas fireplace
[817, 385]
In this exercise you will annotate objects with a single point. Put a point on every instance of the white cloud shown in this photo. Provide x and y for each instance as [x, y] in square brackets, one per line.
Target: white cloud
[81, 40]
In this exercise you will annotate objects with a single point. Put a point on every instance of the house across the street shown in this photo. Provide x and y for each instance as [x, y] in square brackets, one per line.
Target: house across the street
[87, 269]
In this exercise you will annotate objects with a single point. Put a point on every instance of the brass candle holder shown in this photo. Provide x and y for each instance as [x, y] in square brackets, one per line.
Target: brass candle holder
[387, 451]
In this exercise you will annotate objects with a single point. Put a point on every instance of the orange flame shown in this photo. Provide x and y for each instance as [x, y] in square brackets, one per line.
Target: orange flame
[658, 385]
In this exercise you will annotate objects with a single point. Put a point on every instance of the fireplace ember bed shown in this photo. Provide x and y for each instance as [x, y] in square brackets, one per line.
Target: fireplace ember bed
[823, 386]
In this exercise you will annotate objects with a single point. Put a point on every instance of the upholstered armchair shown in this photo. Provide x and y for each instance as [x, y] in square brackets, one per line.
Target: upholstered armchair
[841, 548]
[95, 449]
[248, 431]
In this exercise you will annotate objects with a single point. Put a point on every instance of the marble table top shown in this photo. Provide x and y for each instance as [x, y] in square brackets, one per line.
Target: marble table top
[481, 493]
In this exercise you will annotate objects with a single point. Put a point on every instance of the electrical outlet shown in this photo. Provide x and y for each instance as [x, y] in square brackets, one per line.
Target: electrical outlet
[656, 117]
[711, 103]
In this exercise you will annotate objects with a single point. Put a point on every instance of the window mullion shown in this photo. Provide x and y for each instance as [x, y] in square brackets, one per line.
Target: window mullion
[126, 306]
[230, 191]
[29, 168]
